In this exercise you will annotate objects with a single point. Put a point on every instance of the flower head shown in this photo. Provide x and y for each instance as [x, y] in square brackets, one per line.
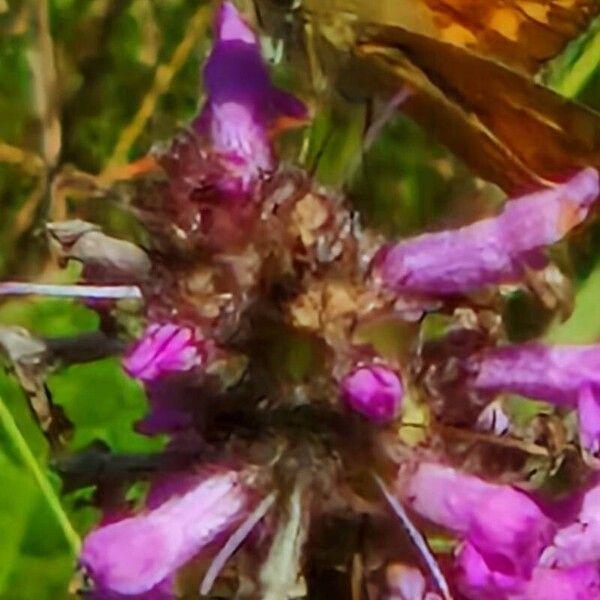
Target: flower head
[135, 555]
[165, 349]
[242, 106]
[491, 251]
[373, 391]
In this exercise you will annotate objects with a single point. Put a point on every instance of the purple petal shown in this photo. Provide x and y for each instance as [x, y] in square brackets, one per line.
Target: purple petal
[229, 27]
[479, 579]
[574, 544]
[165, 349]
[490, 251]
[589, 418]
[130, 557]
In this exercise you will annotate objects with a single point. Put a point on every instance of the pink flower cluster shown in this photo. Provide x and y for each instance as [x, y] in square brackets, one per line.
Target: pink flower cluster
[510, 545]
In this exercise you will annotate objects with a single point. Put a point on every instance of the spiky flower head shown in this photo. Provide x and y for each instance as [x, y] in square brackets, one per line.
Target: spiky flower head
[295, 437]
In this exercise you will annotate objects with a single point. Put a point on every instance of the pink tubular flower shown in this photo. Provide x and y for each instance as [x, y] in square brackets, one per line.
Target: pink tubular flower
[490, 251]
[373, 391]
[242, 105]
[165, 349]
[504, 530]
[135, 555]
[567, 376]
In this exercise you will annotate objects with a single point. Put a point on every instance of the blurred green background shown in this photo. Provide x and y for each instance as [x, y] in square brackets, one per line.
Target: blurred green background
[86, 85]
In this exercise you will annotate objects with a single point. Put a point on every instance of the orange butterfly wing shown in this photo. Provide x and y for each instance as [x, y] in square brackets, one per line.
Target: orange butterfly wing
[510, 130]
[469, 65]
[522, 34]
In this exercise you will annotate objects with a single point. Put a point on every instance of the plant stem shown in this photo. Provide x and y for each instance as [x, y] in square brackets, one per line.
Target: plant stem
[30, 462]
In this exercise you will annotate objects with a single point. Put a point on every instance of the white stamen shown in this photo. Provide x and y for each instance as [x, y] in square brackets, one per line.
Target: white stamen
[233, 543]
[416, 538]
[116, 292]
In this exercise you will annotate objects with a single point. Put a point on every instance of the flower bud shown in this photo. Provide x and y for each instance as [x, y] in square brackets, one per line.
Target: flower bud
[374, 391]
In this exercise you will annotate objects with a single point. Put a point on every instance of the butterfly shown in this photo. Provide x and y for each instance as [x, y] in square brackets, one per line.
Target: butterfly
[469, 66]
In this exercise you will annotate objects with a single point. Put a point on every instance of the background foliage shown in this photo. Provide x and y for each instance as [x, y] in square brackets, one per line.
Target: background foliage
[87, 85]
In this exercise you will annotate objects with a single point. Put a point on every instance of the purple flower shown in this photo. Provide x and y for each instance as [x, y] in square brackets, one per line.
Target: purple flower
[165, 349]
[491, 251]
[503, 529]
[373, 391]
[242, 106]
[137, 554]
[567, 376]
